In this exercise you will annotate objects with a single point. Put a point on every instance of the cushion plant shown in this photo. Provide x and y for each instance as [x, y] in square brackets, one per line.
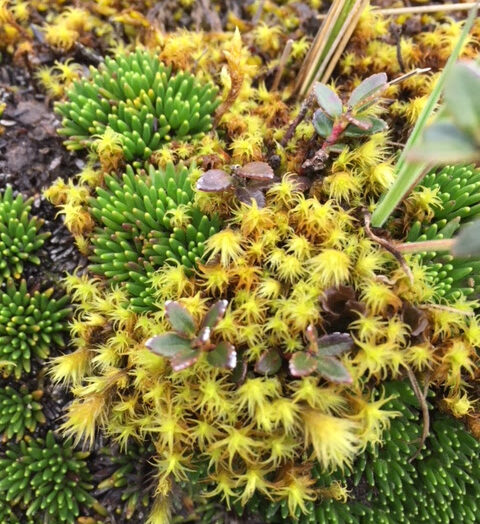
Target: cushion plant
[138, 97]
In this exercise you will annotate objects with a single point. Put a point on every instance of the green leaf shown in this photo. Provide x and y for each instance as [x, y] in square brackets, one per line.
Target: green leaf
[223, 356]
[239, 373]
[444, 143]
[322, 124]
[184, 358]
[337, 148]
[180, 319]
[333, 370]
[269, 362]
[328, 100]
[302, 364]
[367, 88]
[334, 344]
[168, 345]
[462, 96]
[215, 314]
[377, 125]
[467, 242]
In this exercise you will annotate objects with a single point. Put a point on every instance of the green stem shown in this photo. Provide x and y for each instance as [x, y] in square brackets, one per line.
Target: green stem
[445, 244]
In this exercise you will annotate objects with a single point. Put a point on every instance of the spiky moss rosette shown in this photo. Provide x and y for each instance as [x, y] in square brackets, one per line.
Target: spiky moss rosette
[20, 411]
[7, 516]
[19, 235]
[48, 480]
[440, 485]
[137, 96]
[446, 199]
[148, 219]
[29, 324]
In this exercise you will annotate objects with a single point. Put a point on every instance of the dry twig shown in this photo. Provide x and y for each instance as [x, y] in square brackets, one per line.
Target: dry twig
[421, 397]
[391, 248]
[281, 65]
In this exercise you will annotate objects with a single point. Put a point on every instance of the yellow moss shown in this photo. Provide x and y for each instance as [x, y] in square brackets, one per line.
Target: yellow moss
[373, 419]
[334, 441]
[329, 268]
[227, 244]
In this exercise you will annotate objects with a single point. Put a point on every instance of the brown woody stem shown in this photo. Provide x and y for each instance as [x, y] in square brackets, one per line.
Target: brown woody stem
[301, 115]
[421, 397]
[391, 248]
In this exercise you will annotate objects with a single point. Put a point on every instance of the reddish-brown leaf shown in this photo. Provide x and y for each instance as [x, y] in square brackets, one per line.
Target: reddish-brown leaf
[214, 181]
[256, 170]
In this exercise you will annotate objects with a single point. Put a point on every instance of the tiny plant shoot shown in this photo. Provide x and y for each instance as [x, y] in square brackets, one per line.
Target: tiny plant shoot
[187, 342]
[335, 121]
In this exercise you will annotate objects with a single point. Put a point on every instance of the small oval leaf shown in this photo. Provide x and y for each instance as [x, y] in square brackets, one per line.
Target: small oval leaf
[334, 344]
[167, 345]
[223, 356]
[215, 314]
[269, 362]
[214, 181]
[322, 124]
[332, 369]
[184, 359]
[180, 318]
[328, 100]
[376, 125]
[256, 171]
[302, 364]
[367, 88]
[239, 373]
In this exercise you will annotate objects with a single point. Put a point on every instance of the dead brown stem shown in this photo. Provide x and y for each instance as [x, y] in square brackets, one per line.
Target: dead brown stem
[421, 397]
[391, 248]
[281, 65]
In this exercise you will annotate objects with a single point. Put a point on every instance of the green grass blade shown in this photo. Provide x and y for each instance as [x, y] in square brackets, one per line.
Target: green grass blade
[314, 67]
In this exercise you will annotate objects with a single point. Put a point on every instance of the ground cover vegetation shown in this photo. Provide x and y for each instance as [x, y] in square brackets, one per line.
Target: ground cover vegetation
[234, 341]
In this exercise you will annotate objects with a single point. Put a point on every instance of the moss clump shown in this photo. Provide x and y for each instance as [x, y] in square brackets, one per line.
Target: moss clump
[20, 411]
[300, 260]
[47, 479]
[385, 485]
[147, 220]
[136, 96]
[295, 257]
[29, 324]
[19, 236]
